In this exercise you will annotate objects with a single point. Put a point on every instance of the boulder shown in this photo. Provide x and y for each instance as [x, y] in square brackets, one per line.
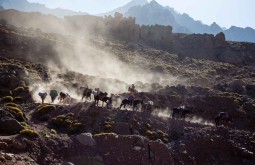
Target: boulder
[10, 126]
[86, 139]
[220, 40]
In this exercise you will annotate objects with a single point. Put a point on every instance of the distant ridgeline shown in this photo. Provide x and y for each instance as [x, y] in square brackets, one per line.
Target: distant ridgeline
[117, 27]
[202, 46]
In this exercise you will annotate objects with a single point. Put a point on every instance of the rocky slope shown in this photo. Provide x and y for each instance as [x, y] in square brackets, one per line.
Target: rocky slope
[82, 133]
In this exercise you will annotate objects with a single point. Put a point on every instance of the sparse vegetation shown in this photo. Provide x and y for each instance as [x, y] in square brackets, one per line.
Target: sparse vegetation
[16, 111]
[105, 134]
[29, 133]
[7, 99]
[43, 111]
[67, 124]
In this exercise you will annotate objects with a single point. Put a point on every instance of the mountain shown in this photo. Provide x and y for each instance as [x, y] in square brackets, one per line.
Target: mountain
[26, 6]
[240, 34]
[34, 20]
[152, 13]
[126, 7]
[192, 25]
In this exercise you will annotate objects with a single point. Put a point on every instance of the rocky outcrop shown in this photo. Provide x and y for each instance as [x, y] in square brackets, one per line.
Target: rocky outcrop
[10, 126]
[117, 149]
[86, 139]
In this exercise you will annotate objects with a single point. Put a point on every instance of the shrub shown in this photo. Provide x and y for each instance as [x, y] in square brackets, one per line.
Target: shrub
[29, 133]
[64, 122]
[105, 134]
[16, 112]
[24, 124]
[7, 99]
[162, 136]
[18, 99]
[43, 110]
[12, 105]
[150, 135]
[61, 122]
[75, 127]
[18, 90]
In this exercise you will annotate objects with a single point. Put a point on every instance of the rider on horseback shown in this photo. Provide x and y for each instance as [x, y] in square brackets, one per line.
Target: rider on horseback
[131, 98]
[132, 88]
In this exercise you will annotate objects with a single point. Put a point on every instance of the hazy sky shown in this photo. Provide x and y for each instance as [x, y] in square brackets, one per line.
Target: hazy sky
[239, 13]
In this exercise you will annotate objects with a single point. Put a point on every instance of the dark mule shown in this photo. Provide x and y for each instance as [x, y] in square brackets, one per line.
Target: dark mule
[136, 103]
[63, 96]
[102, 96]
[125, 102]
[86, 93]
[181, 110]
[148, 107]
[219, 120]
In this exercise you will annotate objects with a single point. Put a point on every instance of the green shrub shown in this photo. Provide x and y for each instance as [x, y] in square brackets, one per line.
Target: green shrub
[162, 136]
[75, 127]
[13, 105]
[16, 112]
[66, 123]
[29, 133]
[7, 99]
[61, 122]
[25, 125]
[43, 110]
[150, 134]
[18, 99]
[105, 134]
[18, 90]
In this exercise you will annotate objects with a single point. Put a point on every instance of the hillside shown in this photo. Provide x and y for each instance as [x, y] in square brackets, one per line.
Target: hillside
[78, 132]
[153, 13]
[25, 6]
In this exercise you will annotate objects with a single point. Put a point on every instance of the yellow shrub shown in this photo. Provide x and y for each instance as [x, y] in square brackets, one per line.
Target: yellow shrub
[17, 111]
[12, 105]
[105, 134]
[7, 99]
[45, 110]
[18, 90]
[29, 132]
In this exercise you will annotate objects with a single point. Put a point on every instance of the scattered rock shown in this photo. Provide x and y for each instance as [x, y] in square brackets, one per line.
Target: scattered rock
[86, 139]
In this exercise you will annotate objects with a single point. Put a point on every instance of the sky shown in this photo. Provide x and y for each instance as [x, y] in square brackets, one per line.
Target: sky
[226, 13]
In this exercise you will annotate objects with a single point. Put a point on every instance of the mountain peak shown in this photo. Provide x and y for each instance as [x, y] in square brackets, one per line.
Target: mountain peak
[153, 2]
[139, 2]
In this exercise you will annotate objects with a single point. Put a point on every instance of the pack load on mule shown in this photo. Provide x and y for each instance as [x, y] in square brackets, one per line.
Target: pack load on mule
[53, 95]
[223, 118]
[43, 95]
